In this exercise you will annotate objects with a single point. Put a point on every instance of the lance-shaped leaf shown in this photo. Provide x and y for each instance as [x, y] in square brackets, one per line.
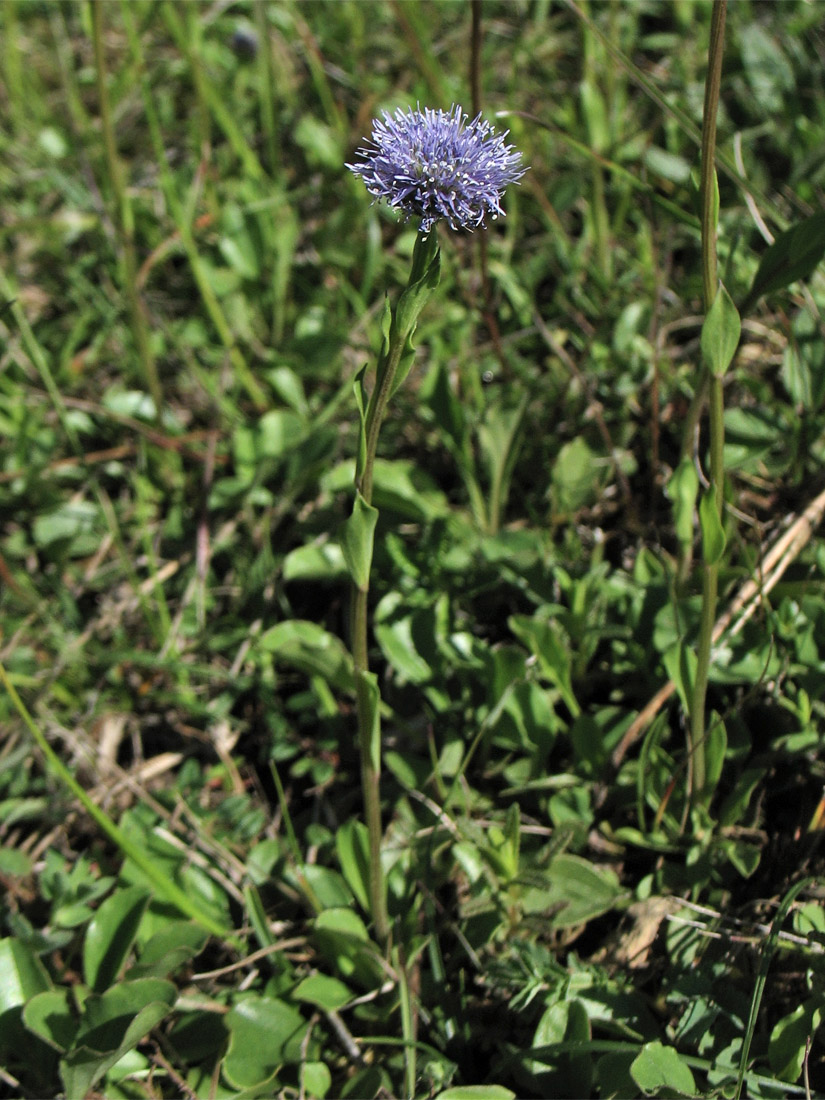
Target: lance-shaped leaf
[793, 255]
[369, 698]
[357, 541]
[361, 404]
[426, 272]
[720, 333]
[713, 534]
[683, 489]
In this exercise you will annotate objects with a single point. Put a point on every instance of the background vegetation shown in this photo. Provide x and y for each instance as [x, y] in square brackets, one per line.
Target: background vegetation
[191, 281]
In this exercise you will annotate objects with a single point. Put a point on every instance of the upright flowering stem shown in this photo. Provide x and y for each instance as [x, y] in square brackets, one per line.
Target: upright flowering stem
[435, 166]
[710, 568]
[424, 276]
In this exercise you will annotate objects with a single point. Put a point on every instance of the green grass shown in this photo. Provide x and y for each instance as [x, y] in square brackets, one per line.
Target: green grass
[190, 281]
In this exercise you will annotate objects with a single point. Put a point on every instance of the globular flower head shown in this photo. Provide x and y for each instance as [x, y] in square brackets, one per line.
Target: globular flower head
[438, 165]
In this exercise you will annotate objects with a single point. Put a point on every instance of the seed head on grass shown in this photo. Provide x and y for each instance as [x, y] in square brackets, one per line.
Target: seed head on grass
[437, 165]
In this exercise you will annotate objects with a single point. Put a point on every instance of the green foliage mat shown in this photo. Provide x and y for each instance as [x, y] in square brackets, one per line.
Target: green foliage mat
[190, 283]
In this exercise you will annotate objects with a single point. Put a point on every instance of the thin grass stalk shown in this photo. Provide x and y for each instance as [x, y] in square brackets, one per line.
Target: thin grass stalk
[166, 889]
[768, 952]
[124, 220]
[488, 308]
[12, 65]
[183, 223]
[710, 570]
[267, 89]
[407, 1024]
[38, 356]
[597, 132]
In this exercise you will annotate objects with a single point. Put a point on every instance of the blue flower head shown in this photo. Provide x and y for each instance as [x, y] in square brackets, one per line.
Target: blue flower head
[437, 165]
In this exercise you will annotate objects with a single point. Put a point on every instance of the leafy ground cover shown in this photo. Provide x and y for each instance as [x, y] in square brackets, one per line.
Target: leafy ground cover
[190, 282]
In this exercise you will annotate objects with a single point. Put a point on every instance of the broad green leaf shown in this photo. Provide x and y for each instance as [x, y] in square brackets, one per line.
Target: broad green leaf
[659, 1068]
[403, 487]
[352, 846]
[289, 386]
[53, 1016]
[264, 1034]
[669, 166]
[357, 541]
[341, 938]
[613, 1076]
[792, 256]
[155, 863]
[112, 1024]
[83, 1066]
[403, 633]
[307, 646]
[410, 771]
[575, 476]
[743, 856]
[279, 431]
[580, 890]
[317, 1079]
[329, 888]
[77, 521]
[110, 936]
[788, 1042]
[322, 144]
[713, 534]
[169, 949]
[315, 562]
[399, 485]
[571, 1074]
[22, 975]
[322, 990]
[104, 1014]
[720, 333]
[14, 863]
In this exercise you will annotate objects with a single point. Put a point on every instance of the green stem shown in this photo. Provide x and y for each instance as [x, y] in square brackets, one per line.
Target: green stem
[426, 250]
[710, 570]
[370, 773]
[124, 219]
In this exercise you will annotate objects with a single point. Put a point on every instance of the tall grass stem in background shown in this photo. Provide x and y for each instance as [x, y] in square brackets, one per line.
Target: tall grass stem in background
[711, 516]
[433, 166]
[124, 219]
[167, 890]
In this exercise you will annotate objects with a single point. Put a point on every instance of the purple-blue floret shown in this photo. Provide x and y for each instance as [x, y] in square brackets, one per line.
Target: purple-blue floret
[437, 165]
